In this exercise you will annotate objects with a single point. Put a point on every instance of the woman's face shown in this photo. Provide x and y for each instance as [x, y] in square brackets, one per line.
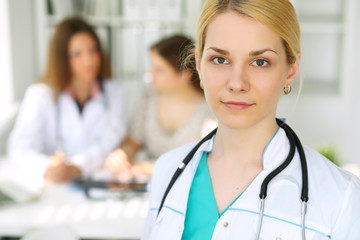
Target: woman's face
[84, 57]
[164, 76]
[244, 69]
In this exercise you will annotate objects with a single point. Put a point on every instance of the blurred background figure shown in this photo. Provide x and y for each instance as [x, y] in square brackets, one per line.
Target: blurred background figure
[171, 113]
[72, 118]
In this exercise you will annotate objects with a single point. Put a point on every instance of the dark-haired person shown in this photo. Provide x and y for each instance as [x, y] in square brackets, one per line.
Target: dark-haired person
[171, 113]
[72, 118]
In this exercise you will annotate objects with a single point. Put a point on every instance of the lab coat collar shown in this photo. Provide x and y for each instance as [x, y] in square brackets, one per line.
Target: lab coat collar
[94, 93]
[274, 154]
[176, 201]
[276, 150]
[205, 147]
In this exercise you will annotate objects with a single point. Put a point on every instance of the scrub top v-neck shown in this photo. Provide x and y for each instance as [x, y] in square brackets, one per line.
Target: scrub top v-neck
[202, 213]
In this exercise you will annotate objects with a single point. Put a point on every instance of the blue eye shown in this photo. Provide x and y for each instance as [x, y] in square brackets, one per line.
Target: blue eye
[220, 60]
[260, 63]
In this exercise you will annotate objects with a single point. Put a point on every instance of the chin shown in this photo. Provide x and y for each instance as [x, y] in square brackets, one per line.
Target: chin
[238, 121]
[237, 124]
[245, 121]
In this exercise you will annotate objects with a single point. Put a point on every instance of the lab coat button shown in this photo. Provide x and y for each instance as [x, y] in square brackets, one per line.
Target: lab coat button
[278, 238]
[226, 224]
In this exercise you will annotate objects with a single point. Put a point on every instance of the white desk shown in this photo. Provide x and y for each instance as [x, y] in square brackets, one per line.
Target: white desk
[63, 205]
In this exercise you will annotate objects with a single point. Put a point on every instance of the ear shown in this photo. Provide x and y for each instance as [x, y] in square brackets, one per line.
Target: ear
[293, 71]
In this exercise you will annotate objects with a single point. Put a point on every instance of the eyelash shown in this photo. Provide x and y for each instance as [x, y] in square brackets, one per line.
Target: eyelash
[213, 59]
[260, 59]
[267, 63]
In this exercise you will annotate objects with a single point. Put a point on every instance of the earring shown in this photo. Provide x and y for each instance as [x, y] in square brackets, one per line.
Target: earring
[201, 84]
[287, 89]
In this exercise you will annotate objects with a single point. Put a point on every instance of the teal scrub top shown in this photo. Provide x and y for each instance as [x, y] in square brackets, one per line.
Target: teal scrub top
[202, 213]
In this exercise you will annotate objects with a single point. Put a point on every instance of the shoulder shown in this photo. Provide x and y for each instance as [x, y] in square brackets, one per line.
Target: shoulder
[335, 195]
[173, 158]
[323, 167]
[166, 166]
[330, 183]
[39, 90]
[37, 105]
[38, 95]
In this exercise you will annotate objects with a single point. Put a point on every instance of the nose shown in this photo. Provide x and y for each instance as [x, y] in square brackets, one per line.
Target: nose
[89, 56]
[238, 81]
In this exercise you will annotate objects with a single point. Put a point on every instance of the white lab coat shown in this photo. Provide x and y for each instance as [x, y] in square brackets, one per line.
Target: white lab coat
[44, 126]
[333, 207]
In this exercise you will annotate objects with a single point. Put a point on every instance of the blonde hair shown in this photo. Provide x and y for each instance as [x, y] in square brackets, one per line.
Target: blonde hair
[278, 15]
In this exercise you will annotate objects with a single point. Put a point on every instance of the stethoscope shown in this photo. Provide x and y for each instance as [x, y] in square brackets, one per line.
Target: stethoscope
[294, 143]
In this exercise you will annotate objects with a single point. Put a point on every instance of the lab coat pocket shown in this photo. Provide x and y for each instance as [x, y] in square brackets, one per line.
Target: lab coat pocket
[274, 228]
[169, 225]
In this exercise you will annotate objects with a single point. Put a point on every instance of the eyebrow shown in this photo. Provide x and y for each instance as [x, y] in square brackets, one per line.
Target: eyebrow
[221, 51]
[251, 54]
[261, 51]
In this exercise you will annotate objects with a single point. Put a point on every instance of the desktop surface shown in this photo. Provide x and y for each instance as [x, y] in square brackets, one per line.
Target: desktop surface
[122, 217]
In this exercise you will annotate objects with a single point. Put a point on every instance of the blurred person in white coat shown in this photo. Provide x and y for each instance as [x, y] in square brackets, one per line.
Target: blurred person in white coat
[73, 117]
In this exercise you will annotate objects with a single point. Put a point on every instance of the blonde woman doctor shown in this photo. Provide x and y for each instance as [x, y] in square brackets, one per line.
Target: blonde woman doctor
[73, 117]
[247, 56]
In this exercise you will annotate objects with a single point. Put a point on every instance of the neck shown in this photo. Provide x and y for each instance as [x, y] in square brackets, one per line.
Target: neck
[243, 146]
[81, 90]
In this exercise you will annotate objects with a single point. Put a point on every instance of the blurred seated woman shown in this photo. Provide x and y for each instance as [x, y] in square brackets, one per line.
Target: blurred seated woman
[72, 118]
[171, 113]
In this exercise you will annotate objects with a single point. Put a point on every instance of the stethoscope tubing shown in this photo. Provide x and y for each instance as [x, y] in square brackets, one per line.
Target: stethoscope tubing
[294, 143]
[183, 164]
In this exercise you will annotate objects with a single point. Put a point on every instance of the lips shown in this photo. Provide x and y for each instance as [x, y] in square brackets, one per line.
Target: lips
[233, 105]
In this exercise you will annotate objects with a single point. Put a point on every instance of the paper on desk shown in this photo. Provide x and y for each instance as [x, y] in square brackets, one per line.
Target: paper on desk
[105, 176]
[103, 193]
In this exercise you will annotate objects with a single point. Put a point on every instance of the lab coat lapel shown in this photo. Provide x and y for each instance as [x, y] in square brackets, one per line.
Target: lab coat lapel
[178, 196]
[70, 127]
[274, 155]
[94, 113]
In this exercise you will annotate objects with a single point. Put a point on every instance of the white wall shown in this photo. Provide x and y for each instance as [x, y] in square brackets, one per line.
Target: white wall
[316, 119]
[351, 88]
[6, 89]
[332, 119]
[17, 59]
[23, 50]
